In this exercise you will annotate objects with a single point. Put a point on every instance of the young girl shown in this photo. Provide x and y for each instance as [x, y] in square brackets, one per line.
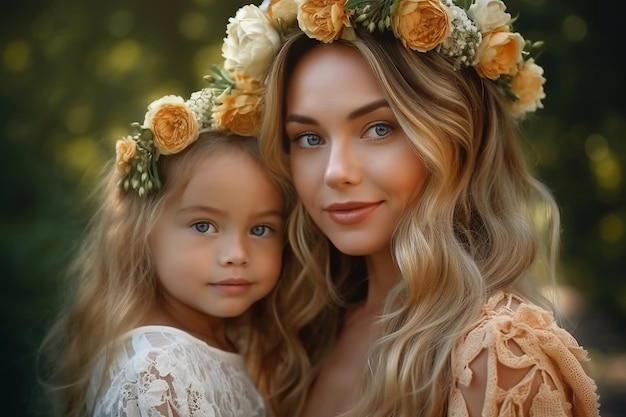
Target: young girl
[420, 227]
[176, 279]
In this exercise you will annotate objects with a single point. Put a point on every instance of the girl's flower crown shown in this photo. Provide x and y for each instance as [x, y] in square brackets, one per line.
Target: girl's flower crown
[171, 124]
[478, 35]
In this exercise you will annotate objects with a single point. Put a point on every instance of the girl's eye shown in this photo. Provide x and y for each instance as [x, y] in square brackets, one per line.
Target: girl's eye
[260, 230]
[204, 227]
[379, 130]
[309, 140]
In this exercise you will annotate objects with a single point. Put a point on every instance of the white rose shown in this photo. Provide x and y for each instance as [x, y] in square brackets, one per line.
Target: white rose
[488, 14]
[250, 42]
[156, 105]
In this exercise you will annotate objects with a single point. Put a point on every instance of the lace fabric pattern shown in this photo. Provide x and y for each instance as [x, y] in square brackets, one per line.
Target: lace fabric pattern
[164, 372]
[525, 338]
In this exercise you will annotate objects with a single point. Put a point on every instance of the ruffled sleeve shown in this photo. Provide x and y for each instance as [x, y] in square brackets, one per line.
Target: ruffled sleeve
[515, 335]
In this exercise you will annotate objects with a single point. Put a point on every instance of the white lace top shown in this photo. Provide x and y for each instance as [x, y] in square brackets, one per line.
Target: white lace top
[162, 371]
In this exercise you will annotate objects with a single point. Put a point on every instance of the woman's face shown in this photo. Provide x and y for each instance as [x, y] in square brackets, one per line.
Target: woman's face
[353, 167]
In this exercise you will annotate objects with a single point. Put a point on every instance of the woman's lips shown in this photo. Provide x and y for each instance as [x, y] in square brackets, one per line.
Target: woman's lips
[350, 213]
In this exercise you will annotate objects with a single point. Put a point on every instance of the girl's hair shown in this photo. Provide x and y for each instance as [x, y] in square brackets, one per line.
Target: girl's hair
[474, 229]
[116, 284]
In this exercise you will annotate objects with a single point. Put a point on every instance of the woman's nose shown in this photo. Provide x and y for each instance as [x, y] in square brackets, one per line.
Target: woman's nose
[342, 167]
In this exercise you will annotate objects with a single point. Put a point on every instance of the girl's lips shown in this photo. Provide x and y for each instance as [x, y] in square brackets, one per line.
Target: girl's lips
[350, 213]
[233, 286]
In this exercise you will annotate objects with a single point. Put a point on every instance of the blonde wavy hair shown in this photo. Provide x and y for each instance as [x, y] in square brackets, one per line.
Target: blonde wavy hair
[116, 287]
[474, 230]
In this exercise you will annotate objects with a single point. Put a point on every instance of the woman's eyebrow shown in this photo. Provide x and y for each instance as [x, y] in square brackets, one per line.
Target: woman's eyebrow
[298, 118]
[368, 108]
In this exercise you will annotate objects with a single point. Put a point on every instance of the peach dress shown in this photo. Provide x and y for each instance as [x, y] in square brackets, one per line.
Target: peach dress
[550, 355]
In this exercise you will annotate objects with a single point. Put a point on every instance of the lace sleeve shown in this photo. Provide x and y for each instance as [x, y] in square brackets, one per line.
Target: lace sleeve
[167, 374]
[517, 362]
[156, 383]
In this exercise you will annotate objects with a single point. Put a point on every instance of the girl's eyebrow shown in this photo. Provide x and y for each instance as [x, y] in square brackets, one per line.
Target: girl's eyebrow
[353, 115]
[208, 209]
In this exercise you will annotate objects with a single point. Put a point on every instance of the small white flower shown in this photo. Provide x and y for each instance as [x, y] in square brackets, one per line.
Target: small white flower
[156, 105]
[201, 104]
[250, 43]
[488, 14]
[463, 40]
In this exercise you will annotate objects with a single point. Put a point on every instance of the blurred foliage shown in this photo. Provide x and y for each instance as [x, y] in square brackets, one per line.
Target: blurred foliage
[73, 74]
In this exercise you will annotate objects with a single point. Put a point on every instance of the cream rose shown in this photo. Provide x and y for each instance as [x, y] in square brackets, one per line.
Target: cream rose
[488, 14]
[421, 25]
[499, 53]
[240, 113]
[173, 124]
[323, 20]
[527, 84]
[125, 151]
[250, 42]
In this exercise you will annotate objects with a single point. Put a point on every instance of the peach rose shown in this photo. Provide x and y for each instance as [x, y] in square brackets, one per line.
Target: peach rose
[421, 25]
[323, 20]
[240, 113]
[175, 127]
[125, 151]
[283, 12]
[246, 84]
[499, 53]
[527, 84]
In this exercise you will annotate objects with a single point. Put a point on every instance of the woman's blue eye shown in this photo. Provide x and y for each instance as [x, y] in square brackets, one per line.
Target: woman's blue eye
[260, 230]
[309, 140]
[203, 227]
[380, 130]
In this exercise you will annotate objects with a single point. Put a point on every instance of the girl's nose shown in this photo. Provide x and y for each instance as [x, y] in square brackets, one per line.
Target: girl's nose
[233, 251]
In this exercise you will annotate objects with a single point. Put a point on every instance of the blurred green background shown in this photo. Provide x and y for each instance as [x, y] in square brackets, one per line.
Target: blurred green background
[74, 74]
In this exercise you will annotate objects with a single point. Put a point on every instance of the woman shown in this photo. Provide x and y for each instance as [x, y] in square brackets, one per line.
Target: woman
[420, 228]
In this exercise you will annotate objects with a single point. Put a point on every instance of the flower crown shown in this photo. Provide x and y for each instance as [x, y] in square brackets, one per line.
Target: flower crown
[477, 35]
[171, 124]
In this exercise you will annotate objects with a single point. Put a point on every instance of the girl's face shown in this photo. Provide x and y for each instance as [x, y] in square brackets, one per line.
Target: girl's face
[217, 248]
[353, 167]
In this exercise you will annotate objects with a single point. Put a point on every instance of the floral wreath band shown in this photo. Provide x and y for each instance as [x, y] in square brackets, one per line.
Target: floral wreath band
[477, 34]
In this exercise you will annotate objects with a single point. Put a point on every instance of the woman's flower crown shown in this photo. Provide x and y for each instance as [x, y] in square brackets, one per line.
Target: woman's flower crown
[478, 35]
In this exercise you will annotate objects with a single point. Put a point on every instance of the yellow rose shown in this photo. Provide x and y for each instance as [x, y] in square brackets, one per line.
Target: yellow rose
[323, 20]
[421, 25]
[240, 113]
[499, 53]
[175, 127]
[125, 151]
[527, 84]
